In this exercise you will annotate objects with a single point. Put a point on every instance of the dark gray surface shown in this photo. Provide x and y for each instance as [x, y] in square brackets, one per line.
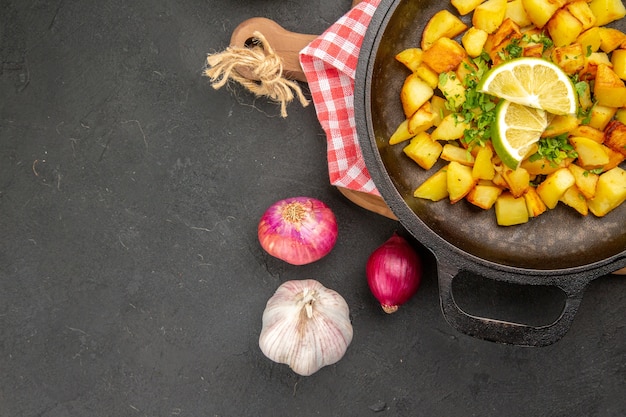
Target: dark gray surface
[131, 279]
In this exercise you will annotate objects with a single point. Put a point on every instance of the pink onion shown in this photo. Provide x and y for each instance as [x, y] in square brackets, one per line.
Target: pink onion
[394, 272]
[298, 230]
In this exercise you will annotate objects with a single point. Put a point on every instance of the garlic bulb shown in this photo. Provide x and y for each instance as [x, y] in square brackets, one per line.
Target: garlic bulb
[306, 326]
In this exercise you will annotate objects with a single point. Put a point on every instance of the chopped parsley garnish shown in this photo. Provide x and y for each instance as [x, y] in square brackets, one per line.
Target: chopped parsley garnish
[478, 109]
[555, 149]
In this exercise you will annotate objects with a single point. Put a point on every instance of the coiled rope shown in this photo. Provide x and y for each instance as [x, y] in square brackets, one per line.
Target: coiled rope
[258, 68]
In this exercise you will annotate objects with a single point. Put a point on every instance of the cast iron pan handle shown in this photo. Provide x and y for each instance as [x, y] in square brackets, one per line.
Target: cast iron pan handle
[504, 331]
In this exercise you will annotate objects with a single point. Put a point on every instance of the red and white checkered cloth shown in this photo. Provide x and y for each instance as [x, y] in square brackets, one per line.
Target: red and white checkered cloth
[329, 63]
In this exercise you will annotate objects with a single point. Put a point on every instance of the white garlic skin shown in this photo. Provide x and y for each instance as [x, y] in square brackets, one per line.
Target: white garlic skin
[306, 326]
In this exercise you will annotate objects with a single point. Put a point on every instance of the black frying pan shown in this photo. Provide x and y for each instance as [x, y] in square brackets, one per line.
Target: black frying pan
[559, 248]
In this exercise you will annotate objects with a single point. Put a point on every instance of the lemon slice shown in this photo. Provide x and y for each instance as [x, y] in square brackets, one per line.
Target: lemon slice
[516, 129]
[532, 82]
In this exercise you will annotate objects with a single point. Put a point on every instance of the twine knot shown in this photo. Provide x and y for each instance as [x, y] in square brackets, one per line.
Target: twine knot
[258, 68]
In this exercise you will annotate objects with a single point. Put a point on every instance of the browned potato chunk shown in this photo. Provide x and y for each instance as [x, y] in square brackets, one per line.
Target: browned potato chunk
[615, 136]
[461, 155]
[560, 124]
[611, 39]
[465, 6]
[422, 120]
[581, 11]
[554, 186]
[601, 116]
[540, 11]
[414, 93]
[443, 24]
[516, 12]
[484, 195]
[618, 60]
[459, 180]
[474, 40]
[518, 180]
[609, 88]
[401, 133]
[483, 167]
[435, 187]
[571, 58]
[444, 55]
[590, 39]
[564, 28]
[534, 203]
[607, 11]
[423, 150]
[510, 210]
[489, 15]
[410, 58]
[575, 199]
[610, 192]
[585, 181]
[591, 154]
[588, 132]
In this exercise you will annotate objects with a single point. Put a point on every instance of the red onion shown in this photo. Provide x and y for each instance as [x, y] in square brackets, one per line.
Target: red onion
[298, 230]
[394, 272]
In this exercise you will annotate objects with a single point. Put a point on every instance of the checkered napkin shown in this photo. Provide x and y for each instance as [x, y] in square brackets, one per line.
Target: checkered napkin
[329, 63]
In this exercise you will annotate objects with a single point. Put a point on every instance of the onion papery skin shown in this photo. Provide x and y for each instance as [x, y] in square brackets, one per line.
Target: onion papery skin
[394, 272]
[298, 230]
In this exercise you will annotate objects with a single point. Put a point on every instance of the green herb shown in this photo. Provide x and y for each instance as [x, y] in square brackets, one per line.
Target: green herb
[478, 109]
[541, 38]
[554, 149]
[597, 171]
[512, 50]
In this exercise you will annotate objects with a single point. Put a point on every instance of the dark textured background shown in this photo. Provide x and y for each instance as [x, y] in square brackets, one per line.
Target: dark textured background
[131, 279]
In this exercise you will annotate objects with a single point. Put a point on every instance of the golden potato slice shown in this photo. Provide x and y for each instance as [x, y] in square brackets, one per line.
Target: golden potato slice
[575, 199]
[444, 55]
[610, 192]
[483, 195]
[489, 15]
[611, 39]
[580, 10]
[554, 186]
[591, 155]
[459, 181]
[450, 128]
[465, 6]
[401, 133]
[564, 28]
[609, 88]
[435, 187]
[423, 150]
[534, 203]
[585, 180]
[570, 58]
[615, 136]
[443, 24]
[422, 119]
[414, 93]
[516, 12]
[510, 210]
[540, 11]
[607, 11]
[561, 124]
[483, 167]
[455, 153]
[410, 58]
[474, 40]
